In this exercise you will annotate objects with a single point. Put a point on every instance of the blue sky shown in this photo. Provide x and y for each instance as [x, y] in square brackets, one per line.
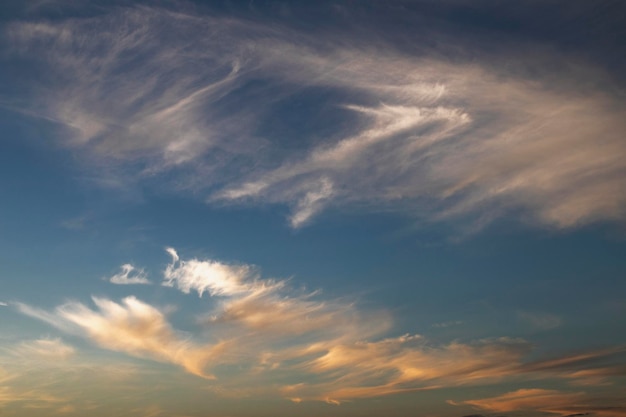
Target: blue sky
[407, 208]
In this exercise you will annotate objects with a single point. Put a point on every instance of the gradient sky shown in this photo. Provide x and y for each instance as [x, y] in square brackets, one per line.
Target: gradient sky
[337, 208]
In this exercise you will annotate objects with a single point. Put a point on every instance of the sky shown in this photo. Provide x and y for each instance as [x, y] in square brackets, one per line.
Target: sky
[339, 208]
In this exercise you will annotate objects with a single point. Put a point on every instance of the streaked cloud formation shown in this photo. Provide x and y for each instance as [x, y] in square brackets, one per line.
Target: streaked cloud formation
[429, 136]
[49, 377]
[386, 130]
[552, 402]
[136, 328]
[214, 277]
[274, 333]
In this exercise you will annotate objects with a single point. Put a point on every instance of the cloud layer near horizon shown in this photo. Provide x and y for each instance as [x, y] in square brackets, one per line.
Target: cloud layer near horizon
[430, 136]
[260, 337]
[551, 402]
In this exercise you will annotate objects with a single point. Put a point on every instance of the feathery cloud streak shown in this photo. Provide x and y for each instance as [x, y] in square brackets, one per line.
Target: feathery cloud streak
[298, 345]
[432, 137]
[550, 401]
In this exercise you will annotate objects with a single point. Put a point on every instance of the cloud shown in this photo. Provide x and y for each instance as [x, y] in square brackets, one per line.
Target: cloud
[3, 304]
[262, 337]
[363, 369]
[34, 398]
[124, 277]
[43, 377]
[550, 401]
[45, 316]
[527, 399]
[486, 146]
[212, 276]
[267, 308]
[311, 183]
[541, 321]
[45, 349]
[138, 329]
[431, 136]
[592, 367]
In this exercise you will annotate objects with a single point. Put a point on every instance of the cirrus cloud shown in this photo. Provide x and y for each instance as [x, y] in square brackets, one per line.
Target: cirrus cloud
[303, 346]
[429, 135]
[129, 275]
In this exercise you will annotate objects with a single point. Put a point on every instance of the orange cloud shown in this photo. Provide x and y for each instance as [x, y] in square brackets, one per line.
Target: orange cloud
[550, 401]
[137, 329]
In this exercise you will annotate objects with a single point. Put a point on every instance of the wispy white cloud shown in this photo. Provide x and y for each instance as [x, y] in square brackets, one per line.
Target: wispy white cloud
[158, 109]
[3, 304]
[428, 136]
[481, 146]
[406, 364]
[45, 316]
[212, 276]
[130, 275]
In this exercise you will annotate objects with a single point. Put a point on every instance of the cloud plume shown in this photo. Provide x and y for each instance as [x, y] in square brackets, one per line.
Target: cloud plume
[135, 328]
[304, 346]
[552, 402]
[431, 136]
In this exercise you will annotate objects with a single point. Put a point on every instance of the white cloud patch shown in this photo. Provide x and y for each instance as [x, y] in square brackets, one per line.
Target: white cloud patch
[215, 277]
[130, 275]
[427, 136]
[3, 304]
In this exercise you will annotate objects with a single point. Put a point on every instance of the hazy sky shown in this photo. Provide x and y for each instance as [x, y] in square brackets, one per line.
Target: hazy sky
[323, 208]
